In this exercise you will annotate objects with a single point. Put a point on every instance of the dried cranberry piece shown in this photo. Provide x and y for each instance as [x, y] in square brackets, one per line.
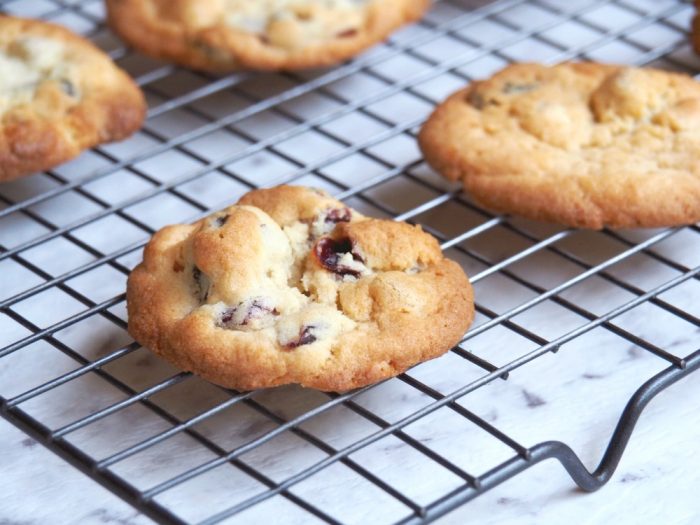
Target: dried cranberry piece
[68, 88]
[227, 316]
[337, 215]
[477, 100]
[253, 310]
[306, 337]
[329, 252]
[220, 220]
[347, 33]
[212, 52]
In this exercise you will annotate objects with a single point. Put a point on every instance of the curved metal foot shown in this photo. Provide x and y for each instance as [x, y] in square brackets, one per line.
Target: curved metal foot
[586, 480]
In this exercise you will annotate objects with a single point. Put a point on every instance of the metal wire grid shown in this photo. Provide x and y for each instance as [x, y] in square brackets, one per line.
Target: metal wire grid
[264, 120]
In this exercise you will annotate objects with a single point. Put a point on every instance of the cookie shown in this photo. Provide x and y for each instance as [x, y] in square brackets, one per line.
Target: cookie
[225, 35]
[291, 286]
[59, 95]
[586, 145]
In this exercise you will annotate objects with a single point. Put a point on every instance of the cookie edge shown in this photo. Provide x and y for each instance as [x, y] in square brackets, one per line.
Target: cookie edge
[130, 20]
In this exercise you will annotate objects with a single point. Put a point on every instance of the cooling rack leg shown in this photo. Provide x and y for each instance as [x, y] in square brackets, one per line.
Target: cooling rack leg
[621, 436]
[630, 415]
[589, 482]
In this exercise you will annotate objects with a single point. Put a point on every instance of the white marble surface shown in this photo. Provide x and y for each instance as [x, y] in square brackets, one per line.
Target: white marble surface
[37, 487]
[574, 396]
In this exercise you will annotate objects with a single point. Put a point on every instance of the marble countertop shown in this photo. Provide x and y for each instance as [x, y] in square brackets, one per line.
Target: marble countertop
[575, 396]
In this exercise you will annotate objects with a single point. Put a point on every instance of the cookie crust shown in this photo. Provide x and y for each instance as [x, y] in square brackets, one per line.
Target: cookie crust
[225, 35]
[59, 95]
[253, 296]
[582, 144]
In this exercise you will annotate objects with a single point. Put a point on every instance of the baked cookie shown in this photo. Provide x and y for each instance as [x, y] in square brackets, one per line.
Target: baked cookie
[586, 145]
[59, 95]
[291, 286]
[224, 35]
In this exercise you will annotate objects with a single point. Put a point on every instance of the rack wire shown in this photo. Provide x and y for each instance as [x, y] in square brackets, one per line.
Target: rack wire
[162, 439]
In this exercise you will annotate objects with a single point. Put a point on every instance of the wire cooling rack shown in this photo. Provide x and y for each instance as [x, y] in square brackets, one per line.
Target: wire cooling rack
[609, 317]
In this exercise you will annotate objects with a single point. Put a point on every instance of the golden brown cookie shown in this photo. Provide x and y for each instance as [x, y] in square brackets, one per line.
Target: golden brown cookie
[224, 35]
[59, 95]
[292, 286]
[587, 145]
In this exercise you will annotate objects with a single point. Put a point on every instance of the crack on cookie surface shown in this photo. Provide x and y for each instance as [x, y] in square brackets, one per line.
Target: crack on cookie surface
[201, 284]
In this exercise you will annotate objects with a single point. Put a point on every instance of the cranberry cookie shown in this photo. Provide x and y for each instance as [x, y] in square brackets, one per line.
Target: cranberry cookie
[291, 286]
[59, 95]
[223, 35]
[587, 145]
